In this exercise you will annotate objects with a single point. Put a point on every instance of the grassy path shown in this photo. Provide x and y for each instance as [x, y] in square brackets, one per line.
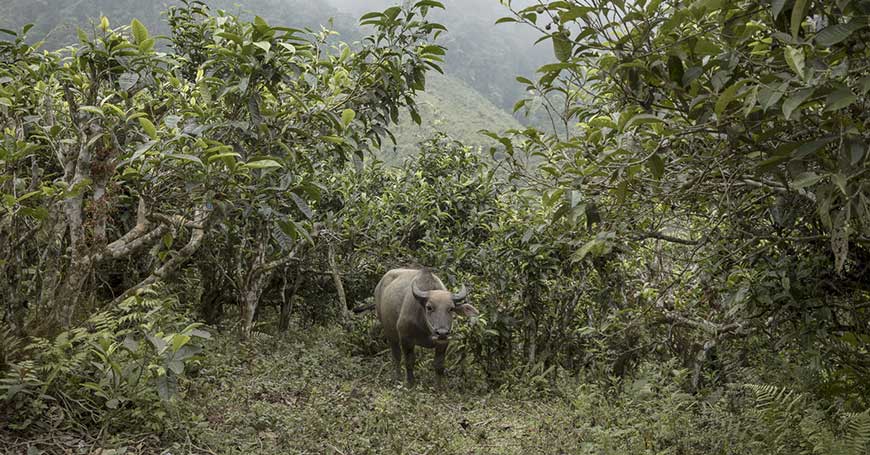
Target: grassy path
[310, 396]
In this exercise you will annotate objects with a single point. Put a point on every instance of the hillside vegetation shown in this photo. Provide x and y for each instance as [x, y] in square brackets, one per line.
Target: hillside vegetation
[451, 107]
[192, 229]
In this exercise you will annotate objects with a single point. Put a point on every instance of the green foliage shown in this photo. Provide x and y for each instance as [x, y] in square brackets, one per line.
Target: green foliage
[797, 424]
[119, 371]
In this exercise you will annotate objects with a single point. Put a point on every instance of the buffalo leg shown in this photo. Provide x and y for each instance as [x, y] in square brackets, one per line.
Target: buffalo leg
[397, 359]
[408, 351]
[440, 351]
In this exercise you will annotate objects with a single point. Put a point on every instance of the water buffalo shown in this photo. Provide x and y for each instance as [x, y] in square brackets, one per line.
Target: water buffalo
[416, 309]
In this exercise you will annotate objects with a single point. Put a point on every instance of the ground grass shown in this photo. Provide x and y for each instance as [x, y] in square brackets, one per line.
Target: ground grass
[311, 391]
[306, 394]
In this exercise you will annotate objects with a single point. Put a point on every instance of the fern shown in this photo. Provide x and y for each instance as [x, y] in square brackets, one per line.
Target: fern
[799, 425]
[11, 347]
[857, 438]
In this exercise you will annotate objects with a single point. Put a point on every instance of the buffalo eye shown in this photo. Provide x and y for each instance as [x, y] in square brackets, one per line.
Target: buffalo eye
[429, 307]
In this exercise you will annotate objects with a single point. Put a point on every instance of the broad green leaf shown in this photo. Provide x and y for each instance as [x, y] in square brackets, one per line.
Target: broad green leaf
[806, 179]
[176, 366]
[186, 157]
[302, 205]
[727, 96]
[798, 13]
[333, 139]
[128, 80]
[262, 164]
[347, 116]
[865, 84]
[796, 60]
[805, 150]
[147, 45]
[675, 69]
[142, 149]
[841, 182]
[149, 128]
[839, 99]
[140, 33]
[836, 33]
[265, 45]
[751, 100]
[232, 37]
[179, 340]
[776, 7]
[92, 110]
[771, 94]
[793, 102]
[167, 386]
[656, 166]
[641, 119]
[221, 156]
[562, 46]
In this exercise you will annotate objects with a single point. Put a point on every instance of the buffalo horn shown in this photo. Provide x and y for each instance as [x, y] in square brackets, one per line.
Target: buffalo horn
[460, 296]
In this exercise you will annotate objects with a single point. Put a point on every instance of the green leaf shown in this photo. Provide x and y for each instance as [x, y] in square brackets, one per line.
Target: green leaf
[727, 96]
[186, 157]
[232, 37]
[841, 182]
[641, 119]
[798, 13]
[140, 33]
[221, 156]
[865, 84]
[656, 166]
[302, 205]
[147, 45]
[776, 7]
[347, 116]
[167, 386]
[751, 100]
[179, 340]
[562, 46]
[796, 60]
[333, 139]
[811, 147]
[92, 110]
[262, 164]
[836, 33]
[805, 179]
[176, 366]
[265, 45]
[128, 80]
[770, 95]
[149, 128]
[794, 102]
[839, 99]
[676, 71]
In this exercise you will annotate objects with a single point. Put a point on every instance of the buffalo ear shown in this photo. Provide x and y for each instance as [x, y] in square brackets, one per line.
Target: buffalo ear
[467, 310]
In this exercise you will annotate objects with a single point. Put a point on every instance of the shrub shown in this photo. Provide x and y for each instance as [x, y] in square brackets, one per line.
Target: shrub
[120, 369]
